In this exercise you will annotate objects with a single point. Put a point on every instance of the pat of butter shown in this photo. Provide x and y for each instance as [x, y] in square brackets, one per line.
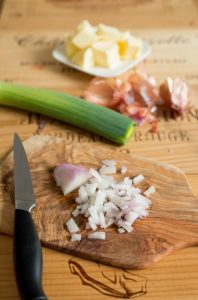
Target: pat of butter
[108, 32]
[84, 58]
[70, 48]
[106, 54]
[84, 38]
[130, 47]
[84, 24]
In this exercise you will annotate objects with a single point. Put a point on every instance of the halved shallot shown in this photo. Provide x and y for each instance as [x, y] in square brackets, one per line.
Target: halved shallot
[70, 177]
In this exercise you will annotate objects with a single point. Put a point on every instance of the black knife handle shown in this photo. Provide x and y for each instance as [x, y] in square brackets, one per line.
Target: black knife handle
[27, 257]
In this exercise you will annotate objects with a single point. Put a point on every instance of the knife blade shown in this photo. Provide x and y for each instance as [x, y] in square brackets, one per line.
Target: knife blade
[26, 245]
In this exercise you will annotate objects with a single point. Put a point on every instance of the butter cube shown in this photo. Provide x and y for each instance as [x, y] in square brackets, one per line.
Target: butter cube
[130, 47]
[84, 38]
[122, 43]
[70, 48]
[84, 24]
[108, 32]
[84, 58]
[106, 54]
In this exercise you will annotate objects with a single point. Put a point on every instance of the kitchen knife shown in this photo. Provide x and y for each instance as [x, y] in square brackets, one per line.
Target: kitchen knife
[26, 244]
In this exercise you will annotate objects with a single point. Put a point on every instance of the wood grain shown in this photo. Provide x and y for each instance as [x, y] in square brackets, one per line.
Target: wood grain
[174, 53]
[172, 223]
[139, 14]
[33, 56]
[173, 277]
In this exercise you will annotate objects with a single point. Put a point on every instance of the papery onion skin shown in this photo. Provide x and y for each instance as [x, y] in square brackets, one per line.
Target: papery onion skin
[175, 94]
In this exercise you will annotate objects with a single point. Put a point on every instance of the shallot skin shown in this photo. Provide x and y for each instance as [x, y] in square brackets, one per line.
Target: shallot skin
[175, 94]
[139, 97]
[136, 98]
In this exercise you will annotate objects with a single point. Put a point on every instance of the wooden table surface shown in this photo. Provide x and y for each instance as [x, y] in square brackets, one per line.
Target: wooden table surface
[29, 30]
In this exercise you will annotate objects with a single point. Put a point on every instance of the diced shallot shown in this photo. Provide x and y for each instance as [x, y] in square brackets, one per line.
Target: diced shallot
[104, 201]
[121, 230]
[109, 222]
[109, 162]
[131, 216]
[95, 174]
[75, 237]
[91, 188]
[149, 191]
[98, 235]
[72, 226]
[92, 224]
[102, 219]
[126, 225]
[83, 193]
[123, 170]
[75, 212]
[107, 170]
[138, 179]
[99, 201]
[93, 213]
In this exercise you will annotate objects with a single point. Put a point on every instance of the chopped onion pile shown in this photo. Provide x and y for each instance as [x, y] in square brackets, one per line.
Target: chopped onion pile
[103, 201]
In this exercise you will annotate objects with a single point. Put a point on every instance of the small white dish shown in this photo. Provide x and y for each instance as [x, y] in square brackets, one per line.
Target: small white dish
[125, 65]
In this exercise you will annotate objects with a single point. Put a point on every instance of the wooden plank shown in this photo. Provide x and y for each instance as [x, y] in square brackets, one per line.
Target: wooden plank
[175, 277]
[174, 53]
[7, 133]
[1, 6]
[12, 116]
[31, 63]
[139, 14]
[176, 141]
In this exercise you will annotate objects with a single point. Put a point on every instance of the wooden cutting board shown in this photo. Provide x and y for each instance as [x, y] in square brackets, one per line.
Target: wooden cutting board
[172, 223]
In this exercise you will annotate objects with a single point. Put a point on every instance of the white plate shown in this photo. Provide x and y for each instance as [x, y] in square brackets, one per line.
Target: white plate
[59, 54]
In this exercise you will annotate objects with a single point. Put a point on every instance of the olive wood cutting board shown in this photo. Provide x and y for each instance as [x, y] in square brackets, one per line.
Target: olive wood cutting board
[172, 223]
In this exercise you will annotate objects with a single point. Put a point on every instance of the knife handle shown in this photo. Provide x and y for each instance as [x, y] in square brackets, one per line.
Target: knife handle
[27, 257]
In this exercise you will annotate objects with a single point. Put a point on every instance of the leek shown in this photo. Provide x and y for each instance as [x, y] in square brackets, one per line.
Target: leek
[97, 119]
